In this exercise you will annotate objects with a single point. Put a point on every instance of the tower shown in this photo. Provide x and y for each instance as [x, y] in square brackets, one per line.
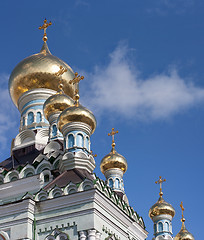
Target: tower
[183, 234]
[113, 166]
[48, 187]
[161, 214]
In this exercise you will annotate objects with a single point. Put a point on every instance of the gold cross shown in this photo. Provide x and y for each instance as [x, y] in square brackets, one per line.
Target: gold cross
[61, 71]
[44, 27]
[112, 133]
[94, 155]
[182, 209]
[160, 181]
[75, 81]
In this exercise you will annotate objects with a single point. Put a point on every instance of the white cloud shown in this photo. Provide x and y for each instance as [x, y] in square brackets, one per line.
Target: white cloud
[9, 117]
[120, 89]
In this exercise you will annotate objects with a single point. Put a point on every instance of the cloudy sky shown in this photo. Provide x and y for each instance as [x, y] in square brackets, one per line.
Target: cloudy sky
[143, 66]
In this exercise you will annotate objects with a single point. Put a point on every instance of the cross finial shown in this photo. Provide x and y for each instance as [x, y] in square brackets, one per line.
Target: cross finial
[61, 71]
[94, 155]
[112, 133]
[75, 81]
[44, 27]
[160, 181]
[182, 209]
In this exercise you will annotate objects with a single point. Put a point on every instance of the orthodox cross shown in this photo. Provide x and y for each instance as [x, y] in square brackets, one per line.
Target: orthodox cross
[182, 209]
[61, 71]
[75, 81]
[44, 27]
[112, 133]
[94, 155]
[160, 181]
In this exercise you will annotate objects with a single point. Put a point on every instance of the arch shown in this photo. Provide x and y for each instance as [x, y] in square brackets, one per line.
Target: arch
[11, 176]
[110, 183]
[52, 147]
[54, 130]
[87, 143]
[55, 192]
[45, 176]
[4, 235]
[80, 140]
[42, 136]
[70, 188]
[41, 196]
[70, 141]
[166, 226]
[38, 117]
[44, 165]
[117, 183]
[23, 121]
[30, 119]
[24, 137]
[160, 227]
[27, 171]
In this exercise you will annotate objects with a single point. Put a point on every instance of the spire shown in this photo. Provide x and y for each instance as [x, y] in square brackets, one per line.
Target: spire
[182, 219]
[75, 81]
[44, 27]
[183, 234]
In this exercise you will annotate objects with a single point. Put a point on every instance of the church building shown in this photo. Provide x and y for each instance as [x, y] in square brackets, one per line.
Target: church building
[48, 188]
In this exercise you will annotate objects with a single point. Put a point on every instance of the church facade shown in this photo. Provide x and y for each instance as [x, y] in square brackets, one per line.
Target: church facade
[48, 189]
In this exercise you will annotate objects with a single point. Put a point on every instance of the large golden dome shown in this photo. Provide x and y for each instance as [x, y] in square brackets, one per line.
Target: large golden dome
[113, 160]
[56, 104]
[37, 71]
[77, 114]
[184, 234]
[161, 207]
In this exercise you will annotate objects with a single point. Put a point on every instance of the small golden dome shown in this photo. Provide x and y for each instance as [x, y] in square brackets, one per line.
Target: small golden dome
[77, 114]
[184, 234]
[37, 71]
[56, 104]
[161, 207]
[113, 160]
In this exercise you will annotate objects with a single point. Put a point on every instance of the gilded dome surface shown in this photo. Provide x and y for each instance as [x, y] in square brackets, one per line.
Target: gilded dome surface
[37, 71]
[184, 234]
[161, 207]
[56, 104]
[77, 114]
[113, 160]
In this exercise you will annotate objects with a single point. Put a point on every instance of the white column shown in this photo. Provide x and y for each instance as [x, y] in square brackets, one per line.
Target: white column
[98, 236]
[91, 234]
[82, 235]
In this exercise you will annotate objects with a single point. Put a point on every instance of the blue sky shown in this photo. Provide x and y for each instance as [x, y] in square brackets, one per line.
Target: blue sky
[143, 66]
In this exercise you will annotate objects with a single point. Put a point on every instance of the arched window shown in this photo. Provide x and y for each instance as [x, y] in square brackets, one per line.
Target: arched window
[30, 118]
[80, 140]
[166, 226]
[14, 178]
[46, 178]
[38, 117]
[23, 121]
[117, 183]
[155, 228]
[54, 130]
[110, 183]
[160, 227]
[29, 174]
[70, 141]
[87, 143]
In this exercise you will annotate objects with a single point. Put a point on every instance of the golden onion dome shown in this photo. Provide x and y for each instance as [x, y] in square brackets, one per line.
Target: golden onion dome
[77, 114]
[184, 234]
[37, 71]
[56, 104]
[161, 207]
[113, 160]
